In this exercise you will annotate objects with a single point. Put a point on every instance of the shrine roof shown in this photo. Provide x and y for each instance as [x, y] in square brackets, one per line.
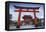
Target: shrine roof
[27, 16]
[21, 7]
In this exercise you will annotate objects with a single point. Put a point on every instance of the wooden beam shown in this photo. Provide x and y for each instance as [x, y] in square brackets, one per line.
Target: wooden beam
[24, 11]
[22, 7]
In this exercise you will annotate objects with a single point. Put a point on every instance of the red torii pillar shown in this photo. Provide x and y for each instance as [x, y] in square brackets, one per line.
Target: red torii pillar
[36, 19]
[19, 17]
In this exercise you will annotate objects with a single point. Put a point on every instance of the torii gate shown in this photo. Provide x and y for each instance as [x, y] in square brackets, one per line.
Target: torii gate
[20, 10]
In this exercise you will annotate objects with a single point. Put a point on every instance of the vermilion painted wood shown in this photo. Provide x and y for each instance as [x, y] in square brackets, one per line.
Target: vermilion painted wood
[24, 11]
[36, 19]
[19, 18]
[24, 18]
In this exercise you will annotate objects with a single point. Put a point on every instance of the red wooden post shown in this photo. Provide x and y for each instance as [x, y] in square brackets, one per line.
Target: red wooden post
[19, 18]
[35, 18]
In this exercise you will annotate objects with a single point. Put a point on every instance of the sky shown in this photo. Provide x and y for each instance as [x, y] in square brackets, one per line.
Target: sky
[15, 14]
